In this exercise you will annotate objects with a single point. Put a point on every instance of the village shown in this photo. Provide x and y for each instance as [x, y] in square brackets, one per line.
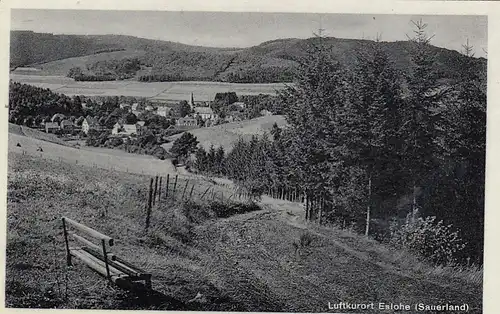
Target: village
[200, 114]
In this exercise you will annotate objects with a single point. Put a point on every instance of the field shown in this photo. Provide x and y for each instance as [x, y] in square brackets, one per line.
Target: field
[227, 134]
[243, 262]
[120, 162]
[202, 91]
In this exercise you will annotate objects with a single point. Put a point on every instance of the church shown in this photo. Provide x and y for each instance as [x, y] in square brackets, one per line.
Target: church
[205, 113]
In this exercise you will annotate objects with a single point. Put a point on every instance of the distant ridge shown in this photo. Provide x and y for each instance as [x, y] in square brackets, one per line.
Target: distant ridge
[270, 61]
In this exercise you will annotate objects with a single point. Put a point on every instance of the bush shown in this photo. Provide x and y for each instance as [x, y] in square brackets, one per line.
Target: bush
[428, 238]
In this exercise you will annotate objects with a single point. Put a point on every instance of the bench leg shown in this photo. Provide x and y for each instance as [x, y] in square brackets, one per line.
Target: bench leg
[148, 283]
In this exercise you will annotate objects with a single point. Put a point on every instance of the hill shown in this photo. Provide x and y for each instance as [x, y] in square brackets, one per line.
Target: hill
[227, 134]
[30, 141]
[272, 61]
[236, 262]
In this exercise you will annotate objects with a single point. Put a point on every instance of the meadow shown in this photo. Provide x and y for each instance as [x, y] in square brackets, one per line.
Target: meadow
[237, 257]
[227, 134]
[176, 91]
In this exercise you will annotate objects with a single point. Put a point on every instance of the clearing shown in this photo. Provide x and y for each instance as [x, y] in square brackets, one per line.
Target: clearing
[227, 134]
[173, 91]
[243, 262]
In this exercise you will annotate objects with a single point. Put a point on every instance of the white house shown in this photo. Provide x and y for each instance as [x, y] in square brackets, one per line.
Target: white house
[240, 104]
[206, 113]
[265, 112]
[124, 106]
[187, 122]
[90, 123]
[124, 129]
[163, 111]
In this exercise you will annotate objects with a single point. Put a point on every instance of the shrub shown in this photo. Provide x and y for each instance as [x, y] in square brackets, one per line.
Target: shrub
[430, 239]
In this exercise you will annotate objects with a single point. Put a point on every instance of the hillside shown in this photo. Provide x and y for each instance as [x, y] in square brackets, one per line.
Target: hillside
[272, 61]
[245, 262]
[227, 134]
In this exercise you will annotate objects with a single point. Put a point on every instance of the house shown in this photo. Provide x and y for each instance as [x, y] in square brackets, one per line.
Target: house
[140, 127]
[135, 107]
[240, 104]
[265, 112]
[90, 123]
[51, 127]
[124, 106]
[206, 113]
[187, 122]
[149, 108]
[67, 126]
[59, 116]
[124, 129]
[163, 111]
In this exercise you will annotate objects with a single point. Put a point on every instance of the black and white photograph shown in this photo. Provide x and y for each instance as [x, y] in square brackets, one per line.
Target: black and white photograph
[190, 160]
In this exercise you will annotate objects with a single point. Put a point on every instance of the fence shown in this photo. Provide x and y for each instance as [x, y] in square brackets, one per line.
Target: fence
[161, 189]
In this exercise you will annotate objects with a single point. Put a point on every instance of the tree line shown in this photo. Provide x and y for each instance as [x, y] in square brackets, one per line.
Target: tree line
[380, 147]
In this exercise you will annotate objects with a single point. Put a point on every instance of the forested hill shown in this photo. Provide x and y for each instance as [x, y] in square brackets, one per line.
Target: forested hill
[272, 61]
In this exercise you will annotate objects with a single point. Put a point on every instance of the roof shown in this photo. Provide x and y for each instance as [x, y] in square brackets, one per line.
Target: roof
[91, 121]
[203, 110]
[130, 128]
[127, 128]
[66, 122]
[51, 125]
[187, 119]
[60, 115]
[141, 123]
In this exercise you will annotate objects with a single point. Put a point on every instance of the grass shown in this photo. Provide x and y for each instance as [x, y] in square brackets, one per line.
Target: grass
[236, 257]
[124, 162]
[227, 134]
[203, 91]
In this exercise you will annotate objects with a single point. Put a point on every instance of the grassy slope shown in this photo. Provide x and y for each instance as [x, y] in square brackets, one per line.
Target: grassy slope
[227, 134]
[245, 262]
[61, 67]
[35, 134]
[122, 162]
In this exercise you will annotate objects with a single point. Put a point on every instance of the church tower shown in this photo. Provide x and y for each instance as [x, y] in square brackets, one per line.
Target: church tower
[191, 102]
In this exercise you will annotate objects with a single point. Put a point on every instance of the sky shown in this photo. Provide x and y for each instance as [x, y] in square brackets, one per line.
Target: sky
[234, 29]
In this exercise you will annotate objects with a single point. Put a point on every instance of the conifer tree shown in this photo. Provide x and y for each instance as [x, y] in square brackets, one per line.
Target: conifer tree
[421, 113]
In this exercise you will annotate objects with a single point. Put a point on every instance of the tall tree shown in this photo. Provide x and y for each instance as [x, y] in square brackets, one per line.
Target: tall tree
[422, 112]
[374, 118]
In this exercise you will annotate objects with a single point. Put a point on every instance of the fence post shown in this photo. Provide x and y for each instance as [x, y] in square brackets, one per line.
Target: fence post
[191, 193]
[175, 184]
[155, 189]
[205, 192]
[185, 187]
[148, 213]
[159, 190]
[168, 182]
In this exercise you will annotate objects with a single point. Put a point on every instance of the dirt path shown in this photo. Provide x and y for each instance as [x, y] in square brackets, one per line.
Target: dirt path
[260, 246]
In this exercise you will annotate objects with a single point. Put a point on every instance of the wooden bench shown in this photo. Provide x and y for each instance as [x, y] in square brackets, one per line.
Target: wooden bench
[98, 256]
